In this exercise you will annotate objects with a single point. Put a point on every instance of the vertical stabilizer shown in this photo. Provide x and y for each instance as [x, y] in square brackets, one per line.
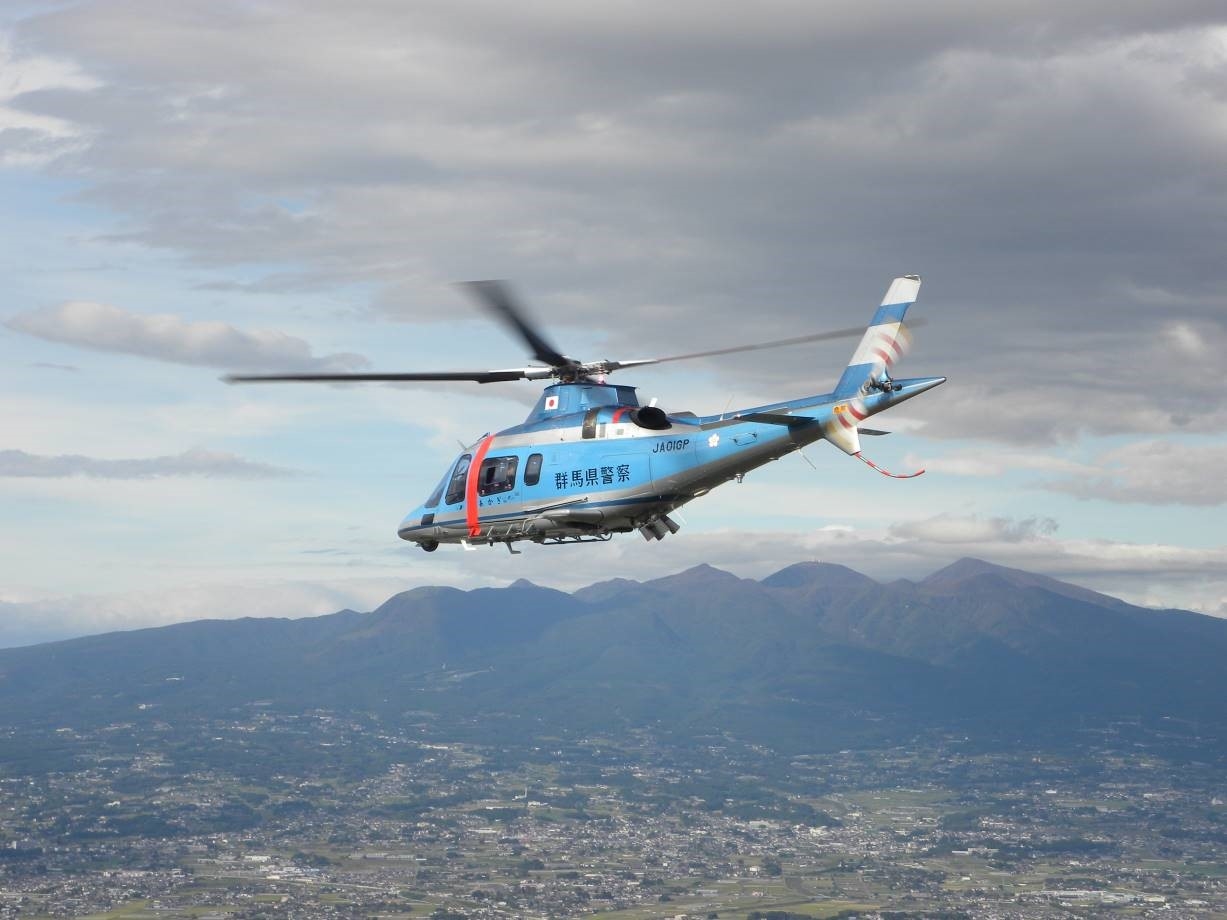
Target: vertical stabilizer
[884, 340]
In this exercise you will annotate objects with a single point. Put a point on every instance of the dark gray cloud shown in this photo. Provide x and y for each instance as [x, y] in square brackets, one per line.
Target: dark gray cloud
[703, 174]
[194, 462]
[103, 327]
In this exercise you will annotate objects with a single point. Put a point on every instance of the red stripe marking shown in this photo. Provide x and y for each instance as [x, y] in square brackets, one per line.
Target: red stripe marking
[470, 487]
[843, 420]
[883, 355]
[860, 416]
[873, 466]
[618, 414]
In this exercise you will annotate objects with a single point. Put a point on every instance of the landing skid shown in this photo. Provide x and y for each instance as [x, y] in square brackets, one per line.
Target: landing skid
[540, 541]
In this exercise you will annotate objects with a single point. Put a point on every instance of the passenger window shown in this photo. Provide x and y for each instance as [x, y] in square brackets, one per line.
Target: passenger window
[498, 474]
[455, 489]
[532, 470]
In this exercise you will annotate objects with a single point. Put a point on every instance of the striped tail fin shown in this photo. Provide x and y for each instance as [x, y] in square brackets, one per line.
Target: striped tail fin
[884, 340]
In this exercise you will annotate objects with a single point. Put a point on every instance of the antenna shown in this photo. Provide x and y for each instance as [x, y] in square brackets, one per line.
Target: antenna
[804, 457]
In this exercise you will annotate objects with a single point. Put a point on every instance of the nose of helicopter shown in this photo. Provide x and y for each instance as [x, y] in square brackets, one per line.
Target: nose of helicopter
[410, 521]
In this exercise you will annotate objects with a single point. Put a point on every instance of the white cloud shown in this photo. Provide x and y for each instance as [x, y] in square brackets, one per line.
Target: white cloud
[997, 462]
[1041, 413]
[971, 531]
[194, 462]
[47, 424]
[28, 621]
[166, 337]
[1153, 473]
[28, 139]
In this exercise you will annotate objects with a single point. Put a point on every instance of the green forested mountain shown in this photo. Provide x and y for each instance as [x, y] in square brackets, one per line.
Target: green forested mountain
[814, 656]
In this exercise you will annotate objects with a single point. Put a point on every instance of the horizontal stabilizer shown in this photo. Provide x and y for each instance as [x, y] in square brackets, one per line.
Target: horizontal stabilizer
[873, 432]
[763, 418]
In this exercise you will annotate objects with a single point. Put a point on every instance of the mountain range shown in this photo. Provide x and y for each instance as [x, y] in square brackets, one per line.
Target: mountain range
[813, 657]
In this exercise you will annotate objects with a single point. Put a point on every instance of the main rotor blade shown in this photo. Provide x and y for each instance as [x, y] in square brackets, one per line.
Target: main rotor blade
[475, 376]
[497, 296]
[850, 333]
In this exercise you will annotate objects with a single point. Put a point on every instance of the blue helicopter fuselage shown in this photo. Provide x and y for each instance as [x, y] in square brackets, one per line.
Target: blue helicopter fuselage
[590, 461]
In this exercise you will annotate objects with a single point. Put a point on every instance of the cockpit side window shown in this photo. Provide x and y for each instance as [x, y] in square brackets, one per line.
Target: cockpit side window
[455, 488]
[498, 474]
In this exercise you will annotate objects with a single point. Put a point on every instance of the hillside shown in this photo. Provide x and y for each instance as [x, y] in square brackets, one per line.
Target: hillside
[812, 657]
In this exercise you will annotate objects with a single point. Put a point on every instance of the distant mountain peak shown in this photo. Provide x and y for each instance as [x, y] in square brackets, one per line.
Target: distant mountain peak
[707, 571]
[413, 595]
[965, 568]
[961, 574]
[699, 574]
[806, 574]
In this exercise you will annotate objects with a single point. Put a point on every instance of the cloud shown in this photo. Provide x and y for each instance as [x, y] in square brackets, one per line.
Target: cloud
[967, 531]
[28, 621]
[194, 462]
[170, 338]
[995, 463]
[1054, 173]
[27, 139]
[660, 181]
[1084, 385]
[1153, 473]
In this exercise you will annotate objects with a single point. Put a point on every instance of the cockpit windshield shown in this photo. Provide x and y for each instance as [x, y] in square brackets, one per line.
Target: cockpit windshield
[455, 488]
[433, 501]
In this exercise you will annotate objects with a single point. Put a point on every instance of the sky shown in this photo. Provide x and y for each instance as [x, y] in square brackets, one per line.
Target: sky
[201, 187]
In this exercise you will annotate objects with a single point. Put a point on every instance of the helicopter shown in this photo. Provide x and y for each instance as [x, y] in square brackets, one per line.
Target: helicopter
[590, 461]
